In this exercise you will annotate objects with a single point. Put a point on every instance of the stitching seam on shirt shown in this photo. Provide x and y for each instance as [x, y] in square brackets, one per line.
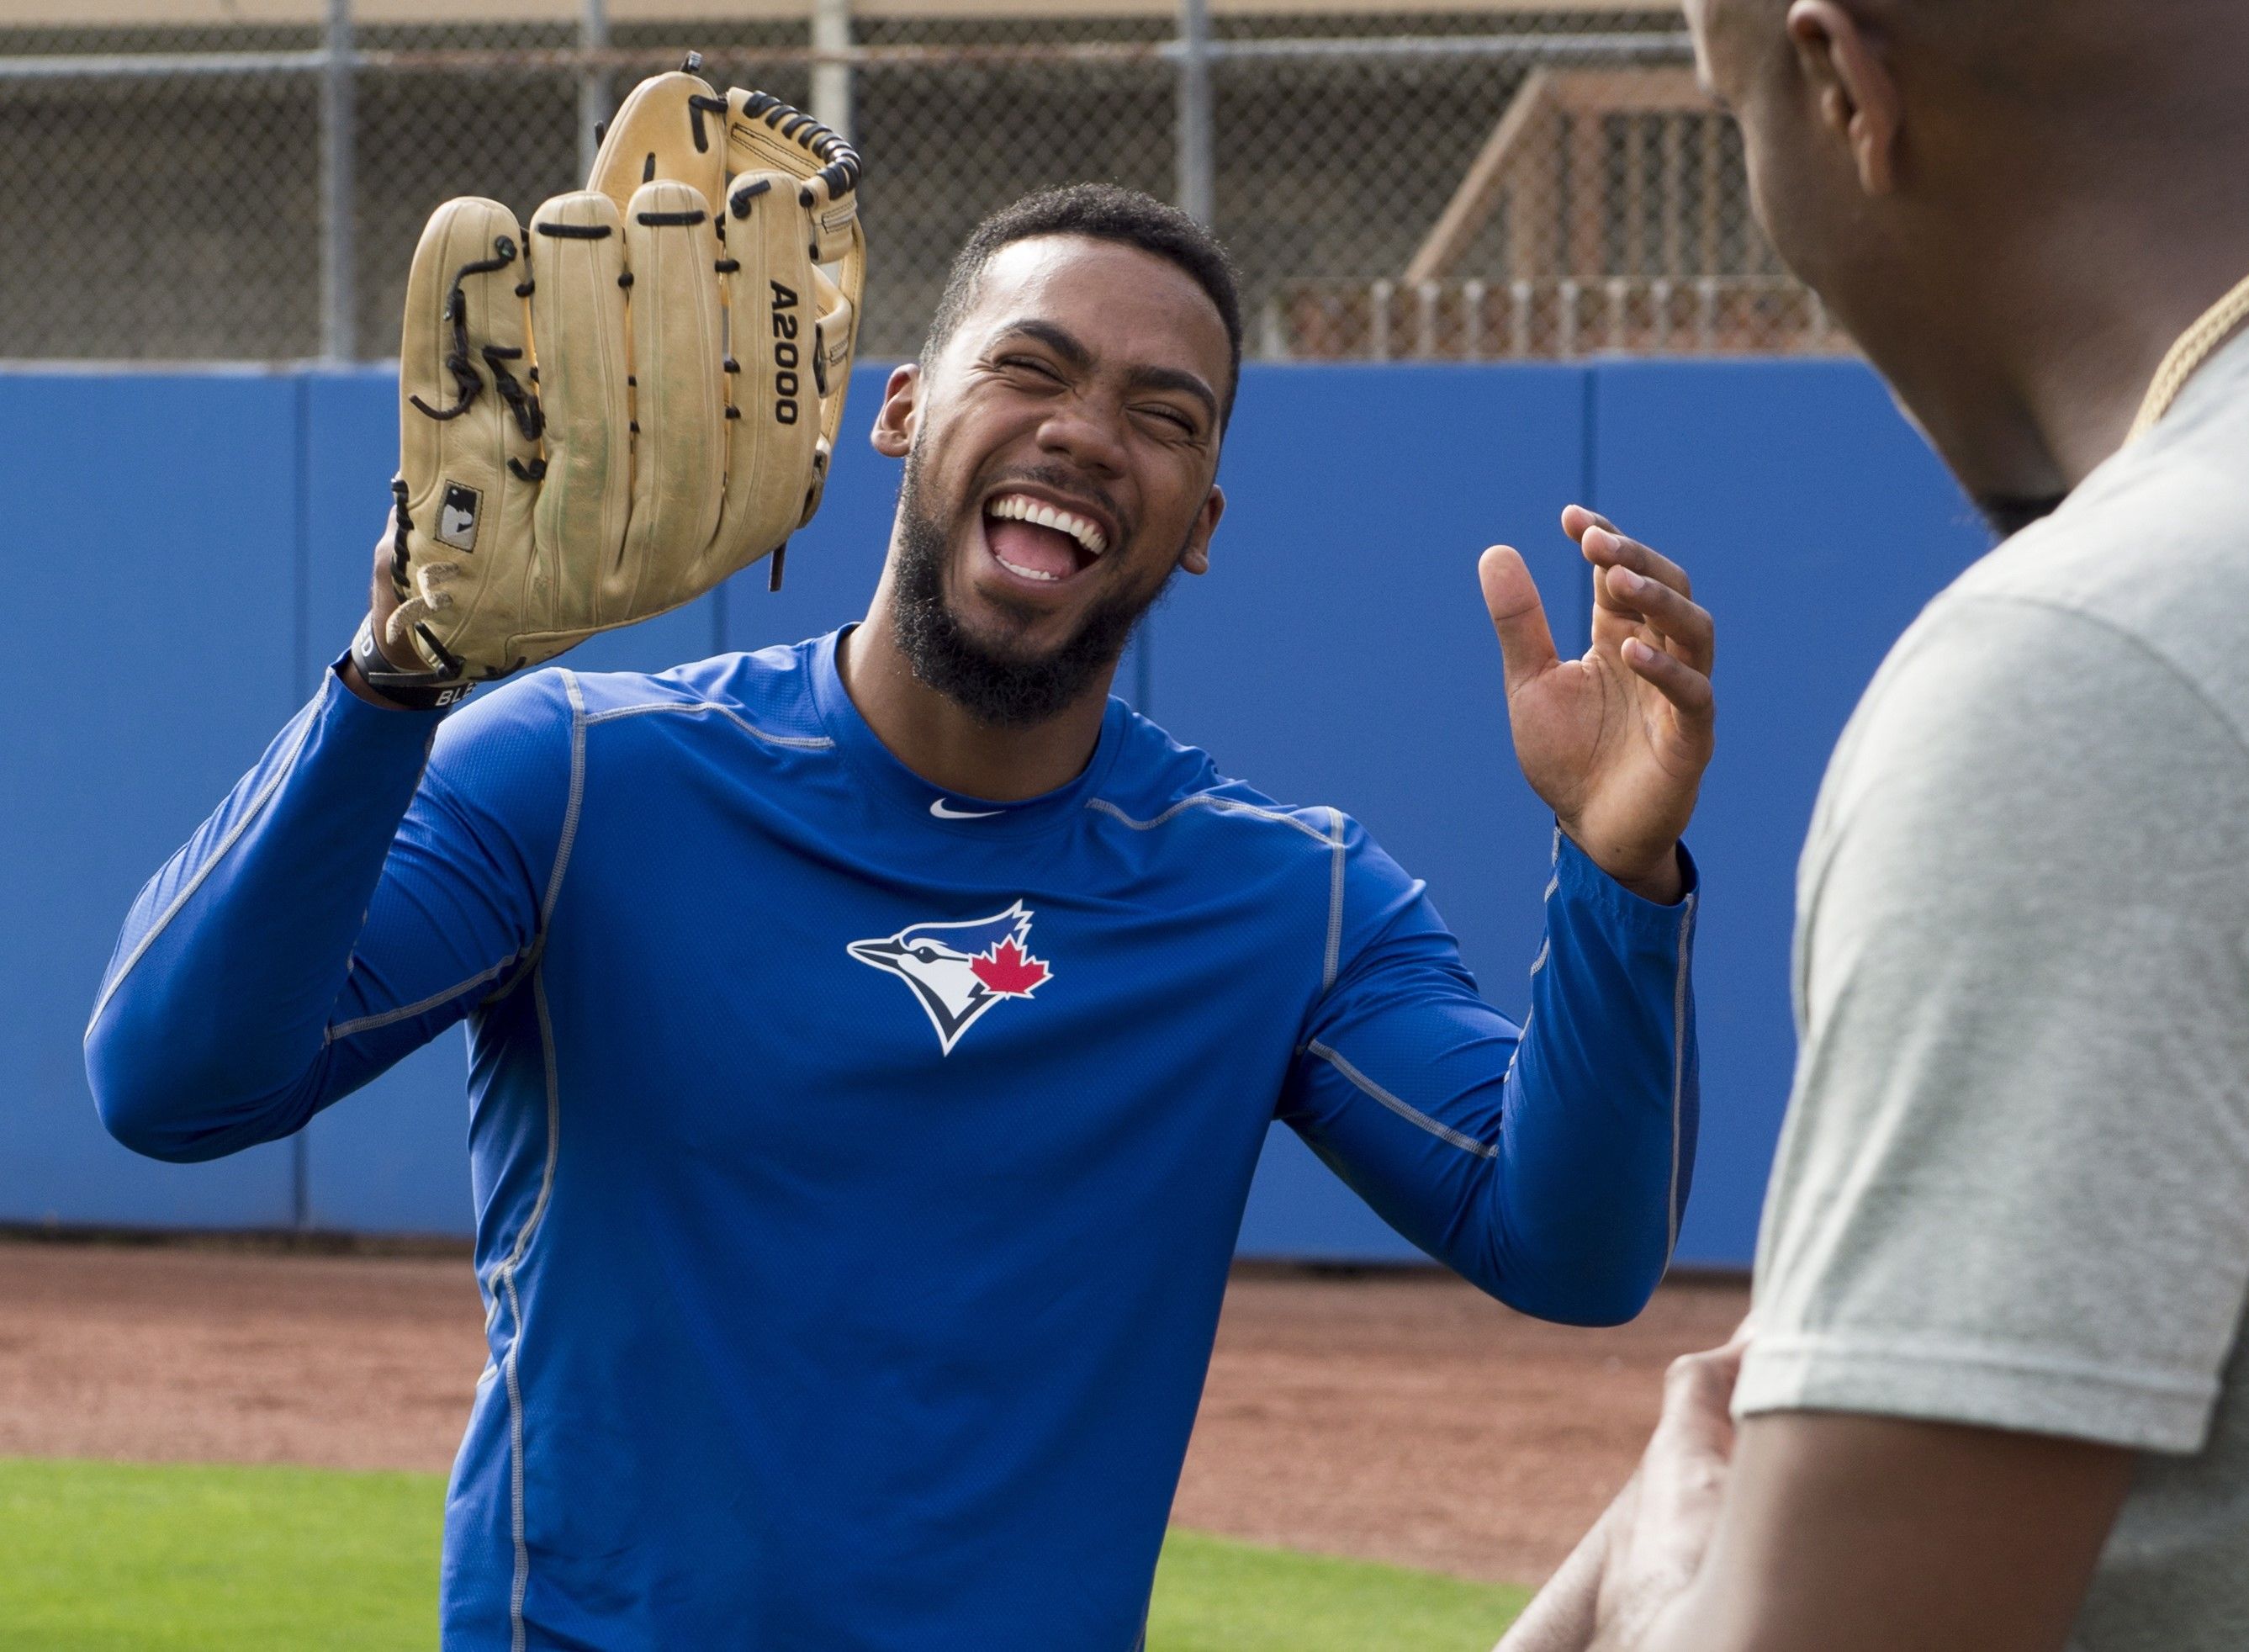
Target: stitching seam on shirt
[1405, 1110]
[800, 742]
[577, 800]
[1538, 964]
[369, 1023]
[257, 808]
[530, 955]
[2132, 639]
[1847, 1350]
[504, 1278]
[1204, 800]
[521, 1584]
[1679, 1064]
[1334, 960]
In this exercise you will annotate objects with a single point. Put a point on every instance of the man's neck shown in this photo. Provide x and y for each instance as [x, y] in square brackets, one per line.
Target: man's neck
[938, 740]
[2115, 290]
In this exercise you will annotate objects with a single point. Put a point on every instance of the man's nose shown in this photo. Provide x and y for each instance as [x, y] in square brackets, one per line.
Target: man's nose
[1087, 434]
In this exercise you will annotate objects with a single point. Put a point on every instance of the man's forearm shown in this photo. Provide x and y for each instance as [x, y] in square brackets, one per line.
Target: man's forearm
[1994, 1533]
[1600, 1144]
[1804, 1539]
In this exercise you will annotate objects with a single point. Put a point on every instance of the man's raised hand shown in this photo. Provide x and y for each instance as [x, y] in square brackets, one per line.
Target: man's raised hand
[1615, 741]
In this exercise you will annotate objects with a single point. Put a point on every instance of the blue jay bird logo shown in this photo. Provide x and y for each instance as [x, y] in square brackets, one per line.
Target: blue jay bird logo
[958, 971]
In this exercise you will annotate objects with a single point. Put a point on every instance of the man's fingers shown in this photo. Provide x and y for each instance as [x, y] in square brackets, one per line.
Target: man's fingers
[1685, 627]
[1526, 645]
[1678, 682]
[1708, 1377]
[1606, 548]
[1576, 519]
[380, 595]
[1698, 1392]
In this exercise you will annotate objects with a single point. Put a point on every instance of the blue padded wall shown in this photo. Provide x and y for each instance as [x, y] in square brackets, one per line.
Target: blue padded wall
[1338, 653]
[1815, 523]
[151, 538]
[833, 564]
[394, 1157]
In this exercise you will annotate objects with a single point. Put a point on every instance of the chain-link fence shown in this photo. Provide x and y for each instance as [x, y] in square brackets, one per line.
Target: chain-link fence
[1489, 182]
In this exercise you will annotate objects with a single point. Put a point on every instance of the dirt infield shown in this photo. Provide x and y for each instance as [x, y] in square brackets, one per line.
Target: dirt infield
[1399, 1416]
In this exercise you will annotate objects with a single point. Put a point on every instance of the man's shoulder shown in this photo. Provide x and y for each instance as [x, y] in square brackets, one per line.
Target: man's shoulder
[1165, 788]
[536, 721]
[2121, 595]
[768, 694]
[1172, 809]
[2148, 549]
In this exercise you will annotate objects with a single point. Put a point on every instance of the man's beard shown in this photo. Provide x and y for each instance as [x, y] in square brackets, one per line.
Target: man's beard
[1003, 690]
[2007, 515]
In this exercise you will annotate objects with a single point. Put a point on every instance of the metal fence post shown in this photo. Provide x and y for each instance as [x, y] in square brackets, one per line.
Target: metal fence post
[1194, 190]
[339, 300]
[831, 76]
[593, 83]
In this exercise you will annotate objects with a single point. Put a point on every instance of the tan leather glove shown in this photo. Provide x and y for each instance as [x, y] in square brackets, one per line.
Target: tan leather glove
[604, 418]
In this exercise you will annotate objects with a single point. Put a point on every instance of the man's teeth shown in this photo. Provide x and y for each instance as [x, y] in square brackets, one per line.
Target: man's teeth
[1022, 507]
[1028, 573]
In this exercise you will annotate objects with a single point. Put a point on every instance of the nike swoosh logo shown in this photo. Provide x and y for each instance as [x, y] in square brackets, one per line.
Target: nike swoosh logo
[940, 809]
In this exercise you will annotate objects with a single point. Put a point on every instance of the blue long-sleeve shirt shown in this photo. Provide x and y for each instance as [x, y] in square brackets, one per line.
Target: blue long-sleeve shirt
[857, 1165]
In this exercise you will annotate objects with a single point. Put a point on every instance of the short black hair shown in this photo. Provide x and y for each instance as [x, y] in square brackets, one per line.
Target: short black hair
[1103, 212]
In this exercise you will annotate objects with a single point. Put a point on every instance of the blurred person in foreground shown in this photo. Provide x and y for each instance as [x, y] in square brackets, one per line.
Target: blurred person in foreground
[872, 1040]
[1993, 1394]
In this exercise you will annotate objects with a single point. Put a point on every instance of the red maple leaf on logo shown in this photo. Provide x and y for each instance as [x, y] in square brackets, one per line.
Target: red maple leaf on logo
[1009, 971]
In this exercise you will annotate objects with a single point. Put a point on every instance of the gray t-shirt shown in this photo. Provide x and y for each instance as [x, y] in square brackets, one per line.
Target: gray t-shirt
[2013, 1188]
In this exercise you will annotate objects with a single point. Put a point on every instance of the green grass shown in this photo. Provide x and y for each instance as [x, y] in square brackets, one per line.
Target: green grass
[114, 1556]
[1216, 1596]
[108, 1557]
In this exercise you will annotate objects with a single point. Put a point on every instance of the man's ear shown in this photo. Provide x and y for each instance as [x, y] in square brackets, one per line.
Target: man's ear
[1196, 558]
[895, 420]
[1849, 74]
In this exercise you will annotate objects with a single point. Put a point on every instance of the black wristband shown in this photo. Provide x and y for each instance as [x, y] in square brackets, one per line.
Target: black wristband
[416, 691]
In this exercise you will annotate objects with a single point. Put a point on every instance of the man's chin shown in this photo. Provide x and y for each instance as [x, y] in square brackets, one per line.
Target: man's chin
[1007, 648]
[1009, 658]
[1009, 627]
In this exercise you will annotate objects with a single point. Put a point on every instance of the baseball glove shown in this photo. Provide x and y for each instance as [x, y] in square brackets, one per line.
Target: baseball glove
[604, 418]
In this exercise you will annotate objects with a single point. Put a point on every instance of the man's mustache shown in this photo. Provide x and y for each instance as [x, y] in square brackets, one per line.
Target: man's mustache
[1063, 481]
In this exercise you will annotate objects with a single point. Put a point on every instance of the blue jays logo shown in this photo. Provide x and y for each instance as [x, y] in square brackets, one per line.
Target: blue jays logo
[958, 971]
